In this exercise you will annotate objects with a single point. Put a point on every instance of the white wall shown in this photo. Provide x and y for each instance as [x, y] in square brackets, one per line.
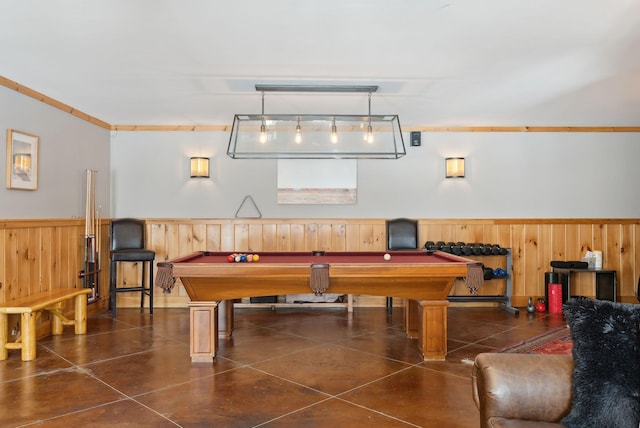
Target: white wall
[508, 175]
[68, 146]
[146, 174]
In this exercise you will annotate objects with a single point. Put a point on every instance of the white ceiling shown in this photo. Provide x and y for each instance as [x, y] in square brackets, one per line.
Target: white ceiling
[436, 62]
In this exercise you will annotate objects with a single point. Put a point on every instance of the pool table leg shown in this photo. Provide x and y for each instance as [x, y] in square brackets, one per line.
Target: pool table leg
[203, 328]
[411, 320]
[432, 340]
[225, 319]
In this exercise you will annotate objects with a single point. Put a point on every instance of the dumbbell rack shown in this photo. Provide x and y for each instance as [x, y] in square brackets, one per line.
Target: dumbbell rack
[503, 300]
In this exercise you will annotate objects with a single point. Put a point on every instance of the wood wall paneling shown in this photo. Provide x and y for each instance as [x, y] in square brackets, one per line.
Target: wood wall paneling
[38, 255]
[3, 265]
[41, 255]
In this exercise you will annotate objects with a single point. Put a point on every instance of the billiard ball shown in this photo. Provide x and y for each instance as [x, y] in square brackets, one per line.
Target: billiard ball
[387, 256]
[238, 259]
[243, 258]
[231, 258]
[256, 257]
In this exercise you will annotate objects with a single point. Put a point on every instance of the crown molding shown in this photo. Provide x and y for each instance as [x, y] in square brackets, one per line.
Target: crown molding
[227, 128]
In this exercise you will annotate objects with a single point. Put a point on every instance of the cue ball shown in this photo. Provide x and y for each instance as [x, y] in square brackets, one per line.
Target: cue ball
[387, 256]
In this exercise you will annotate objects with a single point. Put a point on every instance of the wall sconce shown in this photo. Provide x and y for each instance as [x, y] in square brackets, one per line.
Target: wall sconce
[199, 167]
[21, 163]
[454, 167]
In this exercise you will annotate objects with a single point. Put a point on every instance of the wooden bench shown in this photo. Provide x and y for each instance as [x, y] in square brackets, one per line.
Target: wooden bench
[30, 308]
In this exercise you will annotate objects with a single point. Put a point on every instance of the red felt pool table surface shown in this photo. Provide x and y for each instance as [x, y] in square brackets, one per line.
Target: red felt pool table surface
[329, 257]
[426, 277]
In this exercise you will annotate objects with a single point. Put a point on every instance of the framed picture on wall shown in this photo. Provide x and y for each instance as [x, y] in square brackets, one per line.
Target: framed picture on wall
[22, 160]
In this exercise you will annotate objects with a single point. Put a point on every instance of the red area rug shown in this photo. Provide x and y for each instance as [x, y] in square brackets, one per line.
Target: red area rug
[556, 341]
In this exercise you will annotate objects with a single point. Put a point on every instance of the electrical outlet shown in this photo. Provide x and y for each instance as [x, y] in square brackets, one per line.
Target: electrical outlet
[15, 331]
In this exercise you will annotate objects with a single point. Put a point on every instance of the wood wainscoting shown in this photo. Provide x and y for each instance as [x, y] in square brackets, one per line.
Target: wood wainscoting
[46, 254]
[39, 255]
[534, 243]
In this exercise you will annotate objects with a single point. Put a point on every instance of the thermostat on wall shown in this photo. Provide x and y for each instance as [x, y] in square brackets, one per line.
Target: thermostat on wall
[416, 136]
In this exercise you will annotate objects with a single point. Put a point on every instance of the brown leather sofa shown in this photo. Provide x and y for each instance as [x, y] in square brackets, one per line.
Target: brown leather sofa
[522, 390]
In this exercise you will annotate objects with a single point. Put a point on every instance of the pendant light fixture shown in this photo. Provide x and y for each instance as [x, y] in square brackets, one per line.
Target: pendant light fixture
[263, 127]
[279, 136]
[334, 132]
[298, 137]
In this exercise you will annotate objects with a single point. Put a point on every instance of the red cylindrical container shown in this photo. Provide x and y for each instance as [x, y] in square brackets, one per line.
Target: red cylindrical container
[555, 298]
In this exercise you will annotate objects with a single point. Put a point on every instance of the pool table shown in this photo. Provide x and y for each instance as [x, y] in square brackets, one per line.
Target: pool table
[212, 282]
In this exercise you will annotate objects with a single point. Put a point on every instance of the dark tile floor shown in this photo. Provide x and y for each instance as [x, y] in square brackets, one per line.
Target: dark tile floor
[289, 367]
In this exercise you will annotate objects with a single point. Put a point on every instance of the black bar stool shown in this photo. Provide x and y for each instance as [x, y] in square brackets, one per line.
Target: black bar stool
[402, 234]
[127, 245]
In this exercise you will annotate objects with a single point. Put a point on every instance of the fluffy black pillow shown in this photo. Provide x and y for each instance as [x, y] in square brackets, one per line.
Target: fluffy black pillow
[606, 375]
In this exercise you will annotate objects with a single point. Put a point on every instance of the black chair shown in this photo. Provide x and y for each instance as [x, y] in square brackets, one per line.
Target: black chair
[402, 234]
[127, 245]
